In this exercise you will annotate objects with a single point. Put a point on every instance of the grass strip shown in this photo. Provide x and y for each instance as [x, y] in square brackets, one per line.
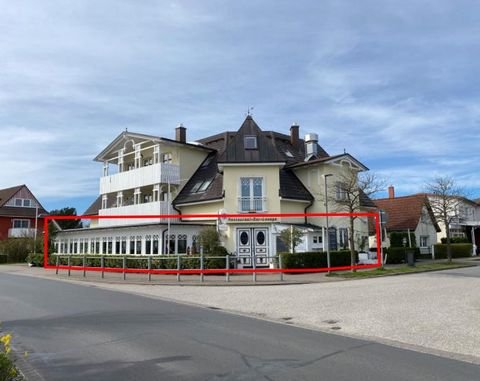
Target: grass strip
[419, 268]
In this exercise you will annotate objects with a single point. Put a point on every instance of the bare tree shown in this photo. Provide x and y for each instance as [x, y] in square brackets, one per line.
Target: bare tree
[444, 195]
[291, 237]
[352, 191]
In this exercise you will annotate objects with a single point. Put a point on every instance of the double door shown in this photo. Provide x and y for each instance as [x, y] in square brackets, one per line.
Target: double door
[252, 247]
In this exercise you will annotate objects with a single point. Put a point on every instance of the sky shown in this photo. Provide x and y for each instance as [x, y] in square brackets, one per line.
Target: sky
[394, 83]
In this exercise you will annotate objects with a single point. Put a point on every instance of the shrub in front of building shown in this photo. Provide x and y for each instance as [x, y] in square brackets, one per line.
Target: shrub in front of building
[455, 240]
[314, 259]
[397, 255]
[459, 250]
[396, 239]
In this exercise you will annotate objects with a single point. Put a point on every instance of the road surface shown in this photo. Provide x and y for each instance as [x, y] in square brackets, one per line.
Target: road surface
[81, 332]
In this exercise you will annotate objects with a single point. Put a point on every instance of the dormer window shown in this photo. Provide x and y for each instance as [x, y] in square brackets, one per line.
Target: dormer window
[250, 142]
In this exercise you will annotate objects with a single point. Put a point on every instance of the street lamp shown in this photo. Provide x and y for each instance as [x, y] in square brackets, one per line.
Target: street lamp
[327, 236]
[35, 232]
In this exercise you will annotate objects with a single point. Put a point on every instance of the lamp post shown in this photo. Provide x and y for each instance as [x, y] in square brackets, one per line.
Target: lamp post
[35, 232]
[327, 236]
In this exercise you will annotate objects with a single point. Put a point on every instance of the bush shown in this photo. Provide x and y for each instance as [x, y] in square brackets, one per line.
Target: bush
[17, 249]
[315, 259]
[3, 258]
[35, 259]
[8, 371]
[396, 239]
[398, 254]
[217, 260]
[455, 240]
[459, 250]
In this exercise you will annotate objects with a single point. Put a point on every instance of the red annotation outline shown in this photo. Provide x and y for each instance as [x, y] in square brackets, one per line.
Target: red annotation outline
[253, 217]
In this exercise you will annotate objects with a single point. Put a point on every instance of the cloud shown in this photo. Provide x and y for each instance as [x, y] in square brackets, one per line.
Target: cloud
[395, 86]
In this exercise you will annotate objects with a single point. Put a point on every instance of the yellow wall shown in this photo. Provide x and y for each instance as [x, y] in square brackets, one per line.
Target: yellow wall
[202, 208]
[312, 178]
[188, 158]
[271, 185]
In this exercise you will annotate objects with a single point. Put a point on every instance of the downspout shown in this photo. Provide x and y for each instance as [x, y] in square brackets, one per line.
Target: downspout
[305, 210]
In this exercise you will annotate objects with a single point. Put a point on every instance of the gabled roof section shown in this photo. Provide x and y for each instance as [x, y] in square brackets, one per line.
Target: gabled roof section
[121, 140]
[262, 148]
[7, 194]
[341, 159]
[405, 212]
[272, 147]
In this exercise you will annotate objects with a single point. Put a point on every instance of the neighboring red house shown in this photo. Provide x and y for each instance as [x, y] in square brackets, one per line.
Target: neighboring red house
[410, 213]
[20, 211]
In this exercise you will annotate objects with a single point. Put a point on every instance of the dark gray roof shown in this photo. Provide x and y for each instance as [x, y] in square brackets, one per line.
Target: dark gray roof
[207, 172]
[292, 187]
[366, 201]
[93, 209]
[272, 147]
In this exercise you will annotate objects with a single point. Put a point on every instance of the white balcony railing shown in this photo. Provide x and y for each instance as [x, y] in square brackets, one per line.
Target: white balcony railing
[150, 208]
[20, 232]
[252, 204]
[139, 177]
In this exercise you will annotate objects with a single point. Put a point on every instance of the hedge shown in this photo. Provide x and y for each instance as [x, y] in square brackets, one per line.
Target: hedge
[396, 239]
[398, 254]
[3, 258]
[315, 259]
[459, 250]
[455, 240]
[141, 262]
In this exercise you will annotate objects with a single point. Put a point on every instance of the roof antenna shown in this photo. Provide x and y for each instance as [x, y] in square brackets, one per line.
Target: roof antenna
[249, 110]
[344, 151]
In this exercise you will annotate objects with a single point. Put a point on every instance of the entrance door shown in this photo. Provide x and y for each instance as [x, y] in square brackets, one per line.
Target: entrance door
[252, 246]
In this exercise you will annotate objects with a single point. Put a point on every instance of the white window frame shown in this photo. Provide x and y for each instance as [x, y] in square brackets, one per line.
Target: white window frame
[20, 220]
[423, 237]
[252, 201]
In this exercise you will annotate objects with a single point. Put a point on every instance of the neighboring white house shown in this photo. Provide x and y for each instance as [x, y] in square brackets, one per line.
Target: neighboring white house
[465, 221]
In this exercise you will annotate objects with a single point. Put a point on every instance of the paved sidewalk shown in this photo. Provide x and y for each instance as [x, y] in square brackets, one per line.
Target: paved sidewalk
[435, 312]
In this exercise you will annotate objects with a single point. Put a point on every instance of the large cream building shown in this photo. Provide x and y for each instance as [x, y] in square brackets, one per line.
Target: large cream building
[247, 172]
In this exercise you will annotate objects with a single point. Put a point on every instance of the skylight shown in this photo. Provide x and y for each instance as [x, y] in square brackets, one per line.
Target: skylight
[205, 185]
[201, 186]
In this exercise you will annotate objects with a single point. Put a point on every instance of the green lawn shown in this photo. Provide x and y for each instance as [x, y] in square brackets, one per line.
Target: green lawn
[420, 267]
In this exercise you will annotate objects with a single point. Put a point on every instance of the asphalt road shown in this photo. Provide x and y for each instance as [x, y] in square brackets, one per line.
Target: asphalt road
[76, 332]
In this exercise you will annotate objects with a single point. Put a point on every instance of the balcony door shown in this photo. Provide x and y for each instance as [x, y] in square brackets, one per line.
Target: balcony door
[251, 194]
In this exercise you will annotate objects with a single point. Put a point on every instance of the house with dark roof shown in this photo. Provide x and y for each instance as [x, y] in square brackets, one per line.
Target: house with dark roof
[248, 171]
[412, 214]
[20, 213]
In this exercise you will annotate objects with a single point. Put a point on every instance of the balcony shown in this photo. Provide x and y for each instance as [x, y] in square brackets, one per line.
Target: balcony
[252, 204]
[139, 177]
[21, 232]
[149, 208]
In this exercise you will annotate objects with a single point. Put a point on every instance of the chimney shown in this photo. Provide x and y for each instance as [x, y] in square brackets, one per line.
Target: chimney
[391, 192]
[181, 134]
[311, 148]
[294, 134]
